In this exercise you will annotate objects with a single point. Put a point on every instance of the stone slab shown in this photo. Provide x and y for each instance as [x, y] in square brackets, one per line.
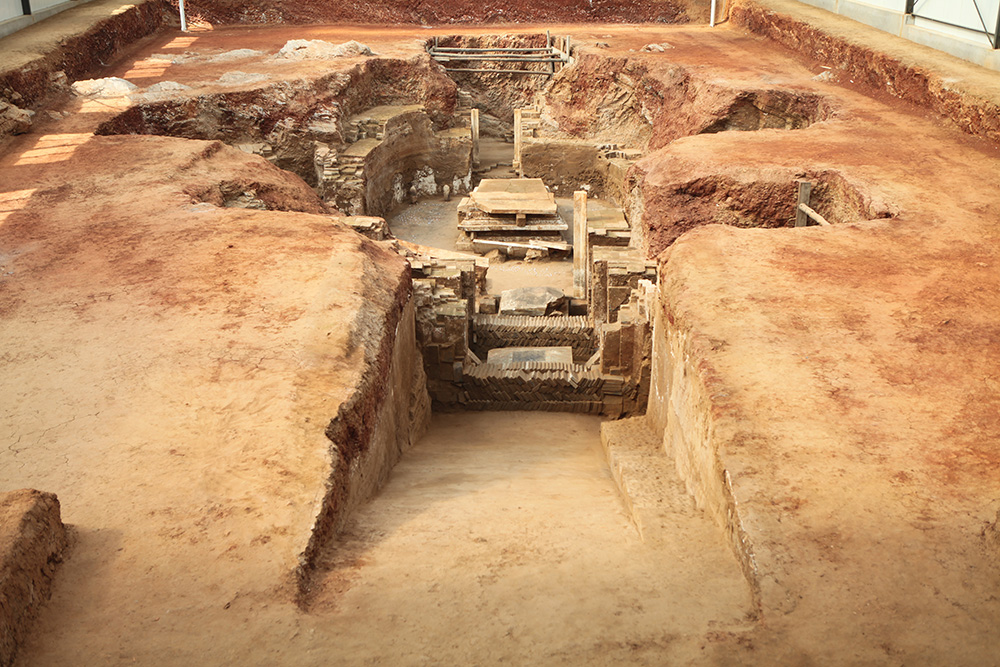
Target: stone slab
[519, 355]
[531, 301]
[510, 196]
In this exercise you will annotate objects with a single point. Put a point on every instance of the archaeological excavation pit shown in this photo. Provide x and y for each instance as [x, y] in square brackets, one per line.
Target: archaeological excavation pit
[585, 335]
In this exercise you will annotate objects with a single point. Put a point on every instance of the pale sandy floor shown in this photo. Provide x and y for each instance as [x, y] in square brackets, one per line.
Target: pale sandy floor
[500, 538]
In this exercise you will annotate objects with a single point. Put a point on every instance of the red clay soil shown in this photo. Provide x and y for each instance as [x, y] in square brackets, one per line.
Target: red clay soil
[847, 374]
[199, 343]
[72, 45]
[897, 68]
[172, 366]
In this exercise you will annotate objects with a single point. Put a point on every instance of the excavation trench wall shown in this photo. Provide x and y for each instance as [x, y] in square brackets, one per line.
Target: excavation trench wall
[890, 69]
[640, 102]
[567, 166]
[78, 56]
[497, 94]
[386, 415]
[689, 196]
[443, 12]
[683, 410]
[291, 116]
[412, 154]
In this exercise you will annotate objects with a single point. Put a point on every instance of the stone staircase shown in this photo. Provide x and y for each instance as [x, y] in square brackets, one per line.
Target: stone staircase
[647, 479]
[537, 386]
[497, 331]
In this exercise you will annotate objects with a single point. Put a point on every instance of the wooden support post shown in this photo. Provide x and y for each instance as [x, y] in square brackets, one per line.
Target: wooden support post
[475, 137]
[580, 244]
[805, 192]
[598, 306]
[517, 141]
[549, 45]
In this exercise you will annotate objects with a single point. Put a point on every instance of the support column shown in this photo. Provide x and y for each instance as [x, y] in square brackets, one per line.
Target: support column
[475, 137]
[580, 244]
[517, 141]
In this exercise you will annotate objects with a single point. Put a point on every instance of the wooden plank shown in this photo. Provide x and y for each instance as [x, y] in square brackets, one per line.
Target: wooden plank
[535, 244]
[517, 141]
[805, 192]
[472, 226]
[580, 242]
[808, 210]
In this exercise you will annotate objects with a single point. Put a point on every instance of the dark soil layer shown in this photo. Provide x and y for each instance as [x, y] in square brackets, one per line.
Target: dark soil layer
[457, 11]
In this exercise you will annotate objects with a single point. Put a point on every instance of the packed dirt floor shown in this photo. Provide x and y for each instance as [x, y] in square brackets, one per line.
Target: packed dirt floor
[169, 368]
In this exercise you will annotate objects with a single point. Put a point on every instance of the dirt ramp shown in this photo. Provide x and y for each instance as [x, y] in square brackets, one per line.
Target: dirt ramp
[32, 540]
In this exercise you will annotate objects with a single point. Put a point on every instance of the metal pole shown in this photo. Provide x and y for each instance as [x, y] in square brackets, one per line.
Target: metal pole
[26, 7]
[909, 6]
[184, 25]
[996, 32]
[712, 22]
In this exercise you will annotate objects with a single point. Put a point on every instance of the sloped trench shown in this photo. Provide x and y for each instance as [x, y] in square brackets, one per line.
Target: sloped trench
[390, 133]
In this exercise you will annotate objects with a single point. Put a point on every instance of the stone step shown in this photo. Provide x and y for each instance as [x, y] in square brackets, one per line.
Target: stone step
[579, 407]
[493, 331]
[558, 385]
[647, 479]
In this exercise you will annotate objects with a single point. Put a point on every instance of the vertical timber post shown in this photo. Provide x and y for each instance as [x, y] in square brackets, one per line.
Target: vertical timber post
[551, 53]
[475, 137]
[805, 192]
[580, 244]
[517, 141]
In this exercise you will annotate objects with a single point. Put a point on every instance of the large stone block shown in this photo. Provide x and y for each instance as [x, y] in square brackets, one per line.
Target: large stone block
[531, 301]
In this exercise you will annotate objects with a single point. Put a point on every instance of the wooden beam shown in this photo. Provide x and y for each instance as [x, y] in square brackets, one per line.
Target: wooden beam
[805, 192]
[498, 71]
[580, 240]
[474, 122]
[517, 139]
[808, 210]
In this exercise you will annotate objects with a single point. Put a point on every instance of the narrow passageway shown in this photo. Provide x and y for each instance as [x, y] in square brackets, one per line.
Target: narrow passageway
[500, 537]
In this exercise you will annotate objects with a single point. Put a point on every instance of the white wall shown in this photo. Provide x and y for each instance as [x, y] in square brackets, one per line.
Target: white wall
[39, 5]
[896, 5]
[960, 12]
[10, 9]
[964, 42]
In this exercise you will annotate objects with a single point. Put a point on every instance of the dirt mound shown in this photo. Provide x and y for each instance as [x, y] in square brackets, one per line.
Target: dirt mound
[32, 539]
